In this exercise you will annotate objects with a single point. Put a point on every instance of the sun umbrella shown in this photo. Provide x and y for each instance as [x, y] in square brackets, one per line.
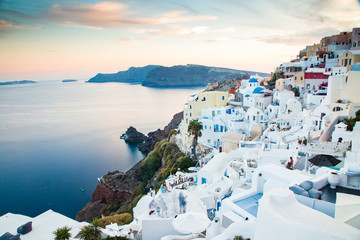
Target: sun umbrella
[324, 160]
[191, 222]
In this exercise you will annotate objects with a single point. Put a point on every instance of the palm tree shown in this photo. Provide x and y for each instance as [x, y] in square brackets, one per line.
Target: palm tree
[96, 228]
[91, 232]
[86, 233]
[62, 233]
[194, 129]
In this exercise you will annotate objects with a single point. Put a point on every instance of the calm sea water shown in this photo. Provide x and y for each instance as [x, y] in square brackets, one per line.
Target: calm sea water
[57, 138]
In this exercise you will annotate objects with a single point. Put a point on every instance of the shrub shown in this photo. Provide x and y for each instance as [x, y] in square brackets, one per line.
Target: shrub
[106, 211]
[357, 113]
[120, 219]
[151, 164]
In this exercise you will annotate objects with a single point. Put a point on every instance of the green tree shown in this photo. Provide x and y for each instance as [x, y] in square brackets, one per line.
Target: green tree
[194, 129]
[62, 233]
[275, 76]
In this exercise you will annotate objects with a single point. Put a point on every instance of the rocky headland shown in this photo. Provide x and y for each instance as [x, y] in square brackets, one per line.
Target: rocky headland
[117, 188]
[132, 136]
[160, 134]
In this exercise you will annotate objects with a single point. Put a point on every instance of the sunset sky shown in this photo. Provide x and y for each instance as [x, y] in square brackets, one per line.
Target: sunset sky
[59, 39]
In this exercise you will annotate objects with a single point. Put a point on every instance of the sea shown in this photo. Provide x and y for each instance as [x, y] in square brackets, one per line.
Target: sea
[57, 138]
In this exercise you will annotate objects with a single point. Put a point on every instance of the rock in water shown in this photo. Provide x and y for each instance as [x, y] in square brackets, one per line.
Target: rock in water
[133, 136]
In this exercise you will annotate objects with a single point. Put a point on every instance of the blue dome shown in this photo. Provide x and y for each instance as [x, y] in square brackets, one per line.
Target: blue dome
[253, 80]
[355, 67]
[247, 95]
[258, 90]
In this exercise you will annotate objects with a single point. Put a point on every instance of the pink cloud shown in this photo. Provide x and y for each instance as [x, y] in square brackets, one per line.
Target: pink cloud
[113, 15]
[4, 25]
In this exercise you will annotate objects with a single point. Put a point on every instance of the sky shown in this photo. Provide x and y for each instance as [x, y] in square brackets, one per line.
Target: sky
[76, 39]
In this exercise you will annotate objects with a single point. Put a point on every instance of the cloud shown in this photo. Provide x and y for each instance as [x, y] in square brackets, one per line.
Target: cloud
[109, 14]
[219, 39]
[173, 30]
[4, 25]
[300, 38]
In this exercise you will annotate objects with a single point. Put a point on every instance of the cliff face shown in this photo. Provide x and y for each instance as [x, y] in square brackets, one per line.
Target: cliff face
[113, 188]
[191, 75]
[134, 75]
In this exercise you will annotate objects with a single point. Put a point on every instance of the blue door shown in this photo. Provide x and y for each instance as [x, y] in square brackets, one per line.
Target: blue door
[203, 180]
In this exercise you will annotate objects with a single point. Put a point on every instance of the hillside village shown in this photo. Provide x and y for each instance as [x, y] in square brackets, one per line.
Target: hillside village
[277, 157]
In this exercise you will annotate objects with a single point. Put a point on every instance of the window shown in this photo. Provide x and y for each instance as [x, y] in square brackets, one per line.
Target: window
[190, 107]
[316, 123]
[205, 127]
[307, 86]
[337, 109]
[209, 141]
[262, 117]
[248, 117]
[223, 97]
[349, 61]
[190, 114]
[254, 118]
[218, 112]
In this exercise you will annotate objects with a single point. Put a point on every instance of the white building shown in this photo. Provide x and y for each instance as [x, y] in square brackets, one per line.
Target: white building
[280, 98]
[217, 121]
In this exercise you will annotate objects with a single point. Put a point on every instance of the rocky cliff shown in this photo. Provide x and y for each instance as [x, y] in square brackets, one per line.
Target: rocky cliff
[117, 187]
[113, 188]
[158, 135]
[134, 75]
[191, 75]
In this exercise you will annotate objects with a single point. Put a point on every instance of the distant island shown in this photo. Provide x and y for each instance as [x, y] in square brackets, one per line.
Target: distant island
[17, 82]
[175, 76]
[69, 80]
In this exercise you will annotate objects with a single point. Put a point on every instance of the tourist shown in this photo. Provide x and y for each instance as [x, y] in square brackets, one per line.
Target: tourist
[164, 188]
[290, 164]
[182, 203]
